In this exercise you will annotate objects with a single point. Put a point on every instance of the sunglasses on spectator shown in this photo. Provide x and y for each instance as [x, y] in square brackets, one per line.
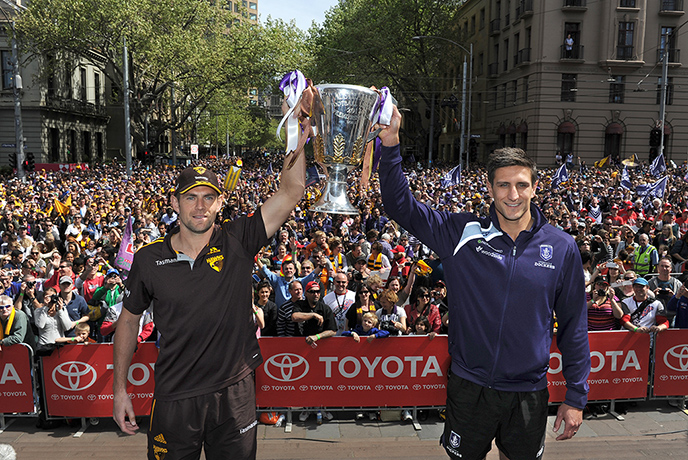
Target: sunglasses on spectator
[629, 278]
[314, 291]
[5, 307]
[364, 292]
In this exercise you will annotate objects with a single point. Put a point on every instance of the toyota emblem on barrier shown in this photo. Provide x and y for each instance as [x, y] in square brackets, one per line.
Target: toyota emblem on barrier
[289, 365]
[74, 376]
[616, 381]
[676, 358]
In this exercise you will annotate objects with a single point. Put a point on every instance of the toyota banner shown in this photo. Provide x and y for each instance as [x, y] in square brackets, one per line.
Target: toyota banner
[16, 387]
[671, 363]
[78, 380]
[338, 372]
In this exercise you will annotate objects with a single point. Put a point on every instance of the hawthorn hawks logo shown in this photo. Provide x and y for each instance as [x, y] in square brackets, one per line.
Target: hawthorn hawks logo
[199, 169]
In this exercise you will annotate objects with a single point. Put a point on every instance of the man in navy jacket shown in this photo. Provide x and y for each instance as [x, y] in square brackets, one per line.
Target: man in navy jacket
[514, 272]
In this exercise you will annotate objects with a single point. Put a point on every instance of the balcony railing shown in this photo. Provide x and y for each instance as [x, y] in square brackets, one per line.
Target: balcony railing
[494, 26]
[75, 106]
[523, 56]
[524, 8]
[670, 5]
[493, 69]
[625, 53]
[674, 55]
[576, 52]
[574, 3]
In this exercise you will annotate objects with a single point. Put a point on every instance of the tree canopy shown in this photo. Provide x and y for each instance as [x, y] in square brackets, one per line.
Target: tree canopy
[185, 56]
[369, 42]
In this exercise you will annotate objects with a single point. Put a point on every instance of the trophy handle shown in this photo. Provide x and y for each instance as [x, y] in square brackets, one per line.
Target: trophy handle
[373, 135]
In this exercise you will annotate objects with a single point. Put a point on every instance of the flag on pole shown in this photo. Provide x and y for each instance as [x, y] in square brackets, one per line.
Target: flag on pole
[453, 177]
[125, 255]
[312, 176]
[603, 161]
[561, 176]
[652, 191]
[232, 178]
[658, 166]
[625, 179]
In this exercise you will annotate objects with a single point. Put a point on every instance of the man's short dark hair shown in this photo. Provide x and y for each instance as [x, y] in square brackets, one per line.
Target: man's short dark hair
[510, 156]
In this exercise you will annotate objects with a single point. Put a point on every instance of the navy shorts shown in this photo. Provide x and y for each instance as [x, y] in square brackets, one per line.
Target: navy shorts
[476, 415]
[222, 423]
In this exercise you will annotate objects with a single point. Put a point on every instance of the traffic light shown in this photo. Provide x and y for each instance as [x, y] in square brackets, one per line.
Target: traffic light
[13, 160]
[655, 137]
[30, 162]
[653, 153]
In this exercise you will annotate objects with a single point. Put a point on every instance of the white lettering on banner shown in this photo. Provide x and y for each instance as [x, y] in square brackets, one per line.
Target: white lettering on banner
[432, 366]
[371, 366]
[385, 367]
[144, 369]
[10, 394]
[631, 361]
[9, 373]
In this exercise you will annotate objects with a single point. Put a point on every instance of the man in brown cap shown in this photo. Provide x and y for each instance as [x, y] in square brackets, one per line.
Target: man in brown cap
[196, 278]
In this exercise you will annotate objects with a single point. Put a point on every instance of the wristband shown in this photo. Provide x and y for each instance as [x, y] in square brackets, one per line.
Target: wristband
[317, 336]
[21, 294]
[636, 328]
[255, 312]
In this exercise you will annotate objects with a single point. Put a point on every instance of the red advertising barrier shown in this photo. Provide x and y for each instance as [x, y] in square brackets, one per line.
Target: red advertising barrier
[403, 371]
[671, 363]
[65, 167]
[15, 380]
[78, 380]
[619, 367]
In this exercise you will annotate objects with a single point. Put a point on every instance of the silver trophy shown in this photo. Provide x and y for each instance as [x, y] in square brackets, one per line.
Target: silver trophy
[342, 117]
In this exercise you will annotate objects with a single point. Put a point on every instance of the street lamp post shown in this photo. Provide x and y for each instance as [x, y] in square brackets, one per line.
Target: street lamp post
[665, 71]
[465, 121]
[17, 87]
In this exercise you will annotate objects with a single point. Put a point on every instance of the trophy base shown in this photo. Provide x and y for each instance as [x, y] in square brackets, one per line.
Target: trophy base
[334, 199]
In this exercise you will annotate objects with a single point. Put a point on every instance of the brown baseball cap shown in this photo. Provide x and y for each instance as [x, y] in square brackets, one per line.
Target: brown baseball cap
[194, 176]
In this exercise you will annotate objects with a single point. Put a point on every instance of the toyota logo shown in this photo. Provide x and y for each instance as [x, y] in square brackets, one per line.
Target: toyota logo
[616, 381]
[663, 377]
[341, 388]
[676, 358]
[416, 387]
[91, 397]
[74, 376]
[288, 365]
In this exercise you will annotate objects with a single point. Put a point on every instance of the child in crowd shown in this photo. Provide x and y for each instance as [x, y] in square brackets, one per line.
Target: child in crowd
[422, 327]
[81, 334]
[366, 328]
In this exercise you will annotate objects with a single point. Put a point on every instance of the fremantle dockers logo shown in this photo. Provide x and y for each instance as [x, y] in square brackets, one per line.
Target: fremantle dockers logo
[74, 376]
[546, 252]
[286, 367]
[676, 358]
[454, 440]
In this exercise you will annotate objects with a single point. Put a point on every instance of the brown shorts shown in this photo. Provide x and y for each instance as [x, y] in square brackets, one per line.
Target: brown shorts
[222, 423]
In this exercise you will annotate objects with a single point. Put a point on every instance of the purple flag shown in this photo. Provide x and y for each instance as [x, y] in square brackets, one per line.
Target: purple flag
[125, 255]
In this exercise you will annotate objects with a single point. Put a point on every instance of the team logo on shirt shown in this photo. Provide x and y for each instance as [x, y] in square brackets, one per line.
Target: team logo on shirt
[216, 262]
[454, 440]
[213, 250]
[546, 252]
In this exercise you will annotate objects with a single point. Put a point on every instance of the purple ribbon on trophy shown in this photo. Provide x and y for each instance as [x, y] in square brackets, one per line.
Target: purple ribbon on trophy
[382, 111]
[293, 85]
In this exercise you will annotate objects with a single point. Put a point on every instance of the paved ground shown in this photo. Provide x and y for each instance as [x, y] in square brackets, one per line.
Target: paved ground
[650, 430]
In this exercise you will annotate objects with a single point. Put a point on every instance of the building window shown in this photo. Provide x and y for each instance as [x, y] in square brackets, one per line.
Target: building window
[568, 87]
[627, 3]
[482, 18]
[525, 90]
[83, 87]
[96, 84]
[669, 93]
[68, 80]
[612, 145]
[616, 90]
[514, 92]
[7, 70]
[473, 24]
[253, 16]
[253, 5]
[667, 42]
[506, 55]
[505, 95]
[624, 46]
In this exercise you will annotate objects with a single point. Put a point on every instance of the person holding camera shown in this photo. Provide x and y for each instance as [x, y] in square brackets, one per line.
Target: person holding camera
[604, 312]
[53, 321]
[392, 318]
[664, 285]
[26, 301]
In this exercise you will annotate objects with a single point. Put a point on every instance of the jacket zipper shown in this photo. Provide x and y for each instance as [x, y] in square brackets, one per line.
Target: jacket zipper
[512, 263]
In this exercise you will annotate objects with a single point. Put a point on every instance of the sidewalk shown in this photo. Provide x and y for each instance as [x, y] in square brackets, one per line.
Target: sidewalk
[650, 430]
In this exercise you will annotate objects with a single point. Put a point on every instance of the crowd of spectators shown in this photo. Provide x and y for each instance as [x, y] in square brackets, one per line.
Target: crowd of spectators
[323, 275]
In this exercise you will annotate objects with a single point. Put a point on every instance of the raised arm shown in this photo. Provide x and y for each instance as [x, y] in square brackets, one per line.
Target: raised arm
[276, 209]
